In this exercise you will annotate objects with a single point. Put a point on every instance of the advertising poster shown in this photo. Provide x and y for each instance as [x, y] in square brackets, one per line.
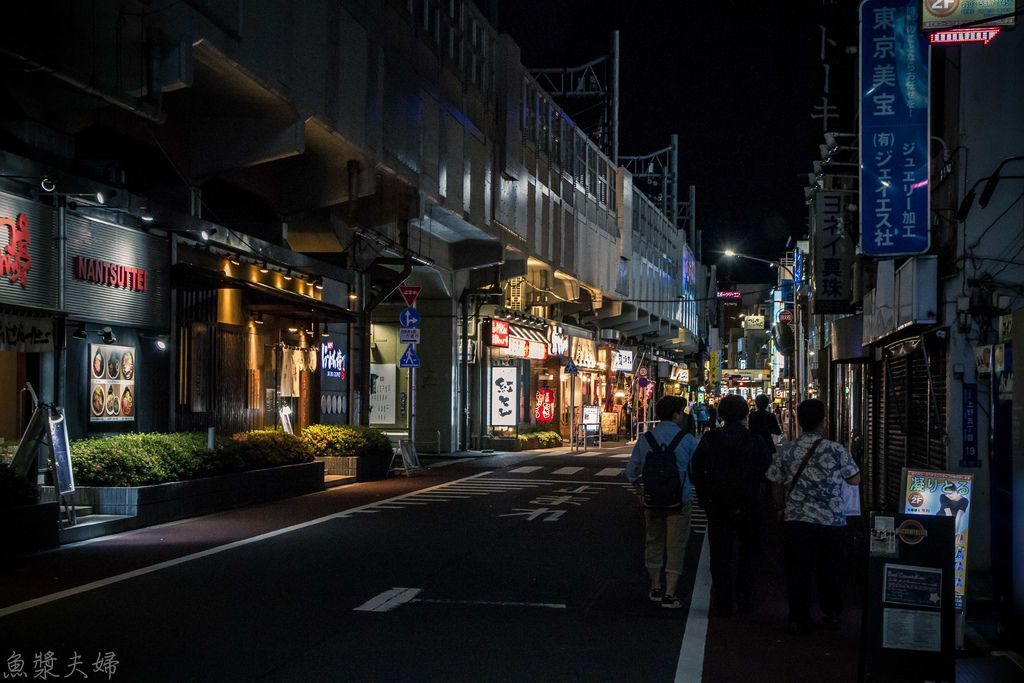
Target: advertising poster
[912, 585]
[504, 396]
[949, 494]
[382, 393]
[111, 383]
[61, 453]
[545, 405]
[592, 417]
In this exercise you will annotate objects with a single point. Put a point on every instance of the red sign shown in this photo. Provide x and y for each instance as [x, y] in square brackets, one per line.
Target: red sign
[110, 274]
[545, 405]
[730, 295]
[499, 333]
[410, 293]
[971, 35]
[785, 316]
[14, 259]
[642, 371]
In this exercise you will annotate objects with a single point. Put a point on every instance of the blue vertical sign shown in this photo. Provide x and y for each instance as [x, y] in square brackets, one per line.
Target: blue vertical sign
[894, 140]
[970, 427]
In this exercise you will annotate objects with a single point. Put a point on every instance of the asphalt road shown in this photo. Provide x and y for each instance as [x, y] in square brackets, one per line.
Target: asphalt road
[509, 569]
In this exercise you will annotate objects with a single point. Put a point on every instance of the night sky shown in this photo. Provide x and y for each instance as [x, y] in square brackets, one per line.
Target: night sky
[737, 81]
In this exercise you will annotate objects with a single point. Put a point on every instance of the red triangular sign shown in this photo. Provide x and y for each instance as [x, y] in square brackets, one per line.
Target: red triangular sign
[409, 293]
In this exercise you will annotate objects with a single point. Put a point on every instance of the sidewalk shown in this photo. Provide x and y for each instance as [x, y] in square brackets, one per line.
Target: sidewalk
[757, 647]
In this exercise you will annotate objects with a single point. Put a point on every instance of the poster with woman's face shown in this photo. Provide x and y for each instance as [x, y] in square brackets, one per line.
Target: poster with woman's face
[111, 383]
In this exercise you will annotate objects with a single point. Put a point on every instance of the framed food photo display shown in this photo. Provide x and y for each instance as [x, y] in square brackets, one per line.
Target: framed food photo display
[111, 383]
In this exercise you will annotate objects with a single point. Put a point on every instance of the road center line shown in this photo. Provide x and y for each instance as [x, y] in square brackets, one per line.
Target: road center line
[388, 600]
[690, 666]
[60, 595]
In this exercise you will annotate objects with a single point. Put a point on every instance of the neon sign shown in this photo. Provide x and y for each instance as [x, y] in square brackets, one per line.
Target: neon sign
[730, 296]
[971, 35]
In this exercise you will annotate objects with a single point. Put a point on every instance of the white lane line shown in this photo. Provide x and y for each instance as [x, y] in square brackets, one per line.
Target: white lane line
[573, 481]
[567, 470]
[388, 600]
[611, 472]
[445, 463]
[527, 469]
[690, 666]
[84, 588]
[497, 603]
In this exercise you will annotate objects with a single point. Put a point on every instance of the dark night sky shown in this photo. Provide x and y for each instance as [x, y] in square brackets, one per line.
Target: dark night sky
[736, 81]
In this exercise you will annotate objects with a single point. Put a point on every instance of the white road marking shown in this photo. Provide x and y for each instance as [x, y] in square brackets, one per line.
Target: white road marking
[690, 666]
[567, 470]
[622, 455]
[572, 481]
[611, 471]
[445, 463]
[497, 603]
[388, 600]
[84, 588]
[527, 469]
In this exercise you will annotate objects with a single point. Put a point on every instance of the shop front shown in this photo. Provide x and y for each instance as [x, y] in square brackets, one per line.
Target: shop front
[260, 343]
[117, 284]
[585, 388]
[522, 379]
[28, 306]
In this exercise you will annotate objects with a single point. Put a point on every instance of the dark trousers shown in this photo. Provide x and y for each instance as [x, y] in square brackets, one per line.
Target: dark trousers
[814, 555]
[735, 546]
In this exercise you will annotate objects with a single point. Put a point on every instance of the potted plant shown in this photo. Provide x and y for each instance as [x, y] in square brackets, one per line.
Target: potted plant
[371, 448]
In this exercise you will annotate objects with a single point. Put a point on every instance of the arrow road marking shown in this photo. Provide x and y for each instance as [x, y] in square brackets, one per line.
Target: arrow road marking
[388, 600]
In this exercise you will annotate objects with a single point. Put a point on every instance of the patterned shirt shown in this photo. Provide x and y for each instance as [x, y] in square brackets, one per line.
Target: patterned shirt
[817, 497]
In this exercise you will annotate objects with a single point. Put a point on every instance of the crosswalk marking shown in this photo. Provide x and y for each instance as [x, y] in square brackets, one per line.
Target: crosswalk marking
[620, 456]
[527, 469]
[567, 470]
[611, 472]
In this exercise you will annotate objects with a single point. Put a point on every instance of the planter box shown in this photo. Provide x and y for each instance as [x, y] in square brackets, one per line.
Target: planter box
[373, 468]
[341, 466]
[28, 527]
[161, 503]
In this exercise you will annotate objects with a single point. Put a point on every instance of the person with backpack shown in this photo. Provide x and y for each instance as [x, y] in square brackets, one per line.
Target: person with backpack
[727, 471]
[809, 475]
[659, 462]
[702, 418]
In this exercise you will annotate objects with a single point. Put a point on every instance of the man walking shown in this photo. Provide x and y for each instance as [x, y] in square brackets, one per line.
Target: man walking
[727, 470]
[809, 474]
[763, 423]
[659, 460]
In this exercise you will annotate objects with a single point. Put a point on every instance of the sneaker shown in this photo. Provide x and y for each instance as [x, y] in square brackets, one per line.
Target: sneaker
[655, 594]
[671, 602]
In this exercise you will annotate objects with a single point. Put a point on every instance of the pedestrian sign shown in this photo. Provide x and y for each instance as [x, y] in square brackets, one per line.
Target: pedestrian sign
[409, 317]
[409, 358]
[409, 293]
[570, 368]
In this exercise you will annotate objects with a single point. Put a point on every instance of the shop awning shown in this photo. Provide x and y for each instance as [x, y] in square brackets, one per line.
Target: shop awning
[527, 333]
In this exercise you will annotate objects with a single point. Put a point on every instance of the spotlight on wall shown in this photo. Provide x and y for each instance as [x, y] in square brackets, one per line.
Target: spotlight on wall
[80, 332]
[146, 216]
[258, 319]
[288, 274]
[107, 335]
[264, 269]
[161, 344]
[206, 234]
[47, 184]
[320, 284]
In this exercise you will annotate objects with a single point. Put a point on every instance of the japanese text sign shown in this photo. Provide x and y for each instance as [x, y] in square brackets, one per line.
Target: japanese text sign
[949, 494]
[894, 141]
[545, 405]
[833, 253]
[499, 333]
[970, 457]
[938, 14]
[504, 396]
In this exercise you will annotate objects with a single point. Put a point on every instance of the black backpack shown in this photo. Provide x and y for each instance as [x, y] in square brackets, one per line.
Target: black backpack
[662, 487]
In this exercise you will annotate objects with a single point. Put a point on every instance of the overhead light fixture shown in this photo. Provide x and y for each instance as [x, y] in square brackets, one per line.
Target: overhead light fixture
[107, 335]
[258, 319]
[293, 330]
[146, 216]
[80, 332]
[264, 269]
[353, 296]
[324, 332]
[206, 234]
[101, 198]
[234, 261]
[161, 344]
[319, 284]
[288, 274]
[47, 184]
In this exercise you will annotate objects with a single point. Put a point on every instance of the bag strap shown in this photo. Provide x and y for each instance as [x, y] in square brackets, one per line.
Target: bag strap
[651, 441]
[800, 470]
[676, 440]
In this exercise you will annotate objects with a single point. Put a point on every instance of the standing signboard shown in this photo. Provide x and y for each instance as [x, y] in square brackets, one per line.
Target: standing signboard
[894, 129]
[943, 494]
[61, 447]
[592, 418]
[504, 396]
[909, 620]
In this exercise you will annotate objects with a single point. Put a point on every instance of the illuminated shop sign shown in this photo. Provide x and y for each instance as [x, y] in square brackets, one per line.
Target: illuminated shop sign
[15, 261]
[973, 35]
[545, 405]
[558, 342]
[584, 353]
[730, 296]
[941, 14]
[524, 348]
[333, 360]
[623, 361]
[109, 274]
[499, 333]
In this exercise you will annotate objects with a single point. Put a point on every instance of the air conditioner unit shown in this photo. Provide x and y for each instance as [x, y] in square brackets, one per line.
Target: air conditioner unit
[609, 335]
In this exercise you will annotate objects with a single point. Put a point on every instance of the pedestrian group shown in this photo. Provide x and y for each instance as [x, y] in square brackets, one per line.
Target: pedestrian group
[741, 479]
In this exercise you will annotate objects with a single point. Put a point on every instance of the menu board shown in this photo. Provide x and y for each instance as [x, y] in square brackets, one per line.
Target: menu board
[111, 383]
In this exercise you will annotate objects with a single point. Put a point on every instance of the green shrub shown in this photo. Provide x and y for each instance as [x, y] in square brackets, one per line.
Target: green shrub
[263, 448]
[325, 441]
[15, 489]
[539, 439]
[139, 459]
[549, 439]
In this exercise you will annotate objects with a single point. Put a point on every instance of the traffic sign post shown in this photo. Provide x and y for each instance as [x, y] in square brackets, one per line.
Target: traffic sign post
[409, 359]
[409, 317]
[409, 293]
[785, 316]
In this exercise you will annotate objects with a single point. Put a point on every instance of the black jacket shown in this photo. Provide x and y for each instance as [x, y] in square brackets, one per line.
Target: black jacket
[764, 424]
[728, 469]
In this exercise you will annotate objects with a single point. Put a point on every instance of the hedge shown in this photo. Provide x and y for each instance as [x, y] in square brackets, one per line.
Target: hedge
[544, 439]
[262, 448]
[346, 440]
